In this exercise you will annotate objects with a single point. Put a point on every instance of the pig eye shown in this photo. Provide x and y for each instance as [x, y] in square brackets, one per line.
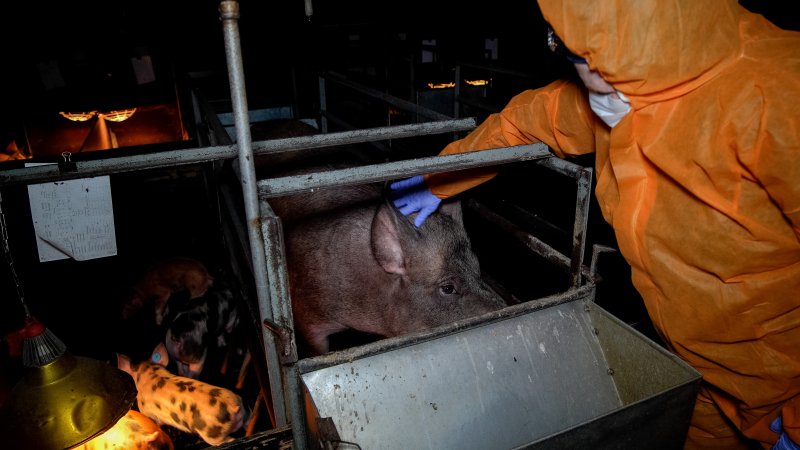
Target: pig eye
[448, 289]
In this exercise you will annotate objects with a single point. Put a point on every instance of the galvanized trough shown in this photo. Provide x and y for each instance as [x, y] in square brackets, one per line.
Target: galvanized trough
[559, 372]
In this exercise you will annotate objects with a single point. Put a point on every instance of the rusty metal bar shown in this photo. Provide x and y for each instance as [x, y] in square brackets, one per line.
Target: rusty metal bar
[583, 197]
[363, 135]
[229, 14]
[583, 179]
[348, 355]
[188, 156]
[273, 187]
[93, 168]
[532, 242]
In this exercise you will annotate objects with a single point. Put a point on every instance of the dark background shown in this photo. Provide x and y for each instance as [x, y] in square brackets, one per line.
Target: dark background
[92, 43]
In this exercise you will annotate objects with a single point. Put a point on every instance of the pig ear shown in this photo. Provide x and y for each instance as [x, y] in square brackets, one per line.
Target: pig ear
[124, 363]
[453, 209]
[386, 241]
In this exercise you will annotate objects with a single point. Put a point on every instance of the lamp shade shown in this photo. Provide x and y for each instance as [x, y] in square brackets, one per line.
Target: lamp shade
[65, 403]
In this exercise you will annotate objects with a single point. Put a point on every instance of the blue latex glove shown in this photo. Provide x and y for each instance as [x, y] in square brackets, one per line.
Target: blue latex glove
[784, 443]
[413, 196]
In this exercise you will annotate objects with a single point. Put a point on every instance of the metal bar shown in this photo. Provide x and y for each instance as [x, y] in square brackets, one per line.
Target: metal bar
[384, 345]
[583, 179]
[272, 231]
[563, 167]
[269, 367]
[342, 123]
[212, 121]
[229, 14]
[274, 187]
[278, 295]
[392, 100]
[188, 156]
[583, 196]
[363, 135]
[532, 242]
[93, 168]
[276, 267]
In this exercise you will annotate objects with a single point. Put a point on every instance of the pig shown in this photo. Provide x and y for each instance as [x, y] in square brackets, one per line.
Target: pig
[160, 281]
[356, 263]
[201, 325]
[134, 431]
[193, 406]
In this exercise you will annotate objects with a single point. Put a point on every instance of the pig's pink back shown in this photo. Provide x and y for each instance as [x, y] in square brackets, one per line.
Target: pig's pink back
[211, 412]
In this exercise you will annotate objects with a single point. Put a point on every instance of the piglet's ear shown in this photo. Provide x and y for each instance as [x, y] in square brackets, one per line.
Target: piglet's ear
[124, 363]
[386, 241]
[151, 437]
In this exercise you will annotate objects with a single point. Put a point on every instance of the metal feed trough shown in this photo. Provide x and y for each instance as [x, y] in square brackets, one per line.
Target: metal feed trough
[560, 372]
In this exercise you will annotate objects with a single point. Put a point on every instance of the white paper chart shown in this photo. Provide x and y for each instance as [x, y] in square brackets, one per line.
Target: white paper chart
[73, 219]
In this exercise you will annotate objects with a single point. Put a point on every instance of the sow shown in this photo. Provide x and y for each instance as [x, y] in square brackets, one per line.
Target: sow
[355, 262]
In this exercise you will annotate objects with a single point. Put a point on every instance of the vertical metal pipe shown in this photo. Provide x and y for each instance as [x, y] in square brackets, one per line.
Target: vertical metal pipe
[281, 305]
[229, 14]
[583, 179]
[584, 182]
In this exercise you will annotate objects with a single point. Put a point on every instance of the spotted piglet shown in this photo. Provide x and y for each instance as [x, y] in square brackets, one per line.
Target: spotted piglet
[211, 412]
[134, 431]
[200, 326]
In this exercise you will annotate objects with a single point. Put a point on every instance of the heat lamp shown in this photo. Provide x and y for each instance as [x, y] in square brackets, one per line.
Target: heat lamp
[63, 400]
[100, 136]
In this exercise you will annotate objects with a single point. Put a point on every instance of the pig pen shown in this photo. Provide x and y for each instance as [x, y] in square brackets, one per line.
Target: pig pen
[556, 371]
[159, 213]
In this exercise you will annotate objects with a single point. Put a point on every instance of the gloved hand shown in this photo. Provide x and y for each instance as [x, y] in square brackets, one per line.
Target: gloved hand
[413, 196]
[784, 443]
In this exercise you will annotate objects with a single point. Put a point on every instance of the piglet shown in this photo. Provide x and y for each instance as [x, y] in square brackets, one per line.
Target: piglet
[199, 326]
[193, 406]
[134, 431]
[158, 282]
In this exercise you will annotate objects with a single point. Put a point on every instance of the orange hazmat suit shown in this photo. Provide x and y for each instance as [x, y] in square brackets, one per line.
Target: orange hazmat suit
[700, 181]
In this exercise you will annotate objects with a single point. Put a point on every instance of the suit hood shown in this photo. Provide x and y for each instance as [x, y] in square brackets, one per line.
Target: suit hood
[649, 48]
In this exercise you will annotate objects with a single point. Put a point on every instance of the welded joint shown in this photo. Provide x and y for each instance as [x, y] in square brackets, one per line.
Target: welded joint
[283, 335]
[597, 249]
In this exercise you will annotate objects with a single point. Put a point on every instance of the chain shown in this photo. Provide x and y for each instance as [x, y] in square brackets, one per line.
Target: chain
[10, 260]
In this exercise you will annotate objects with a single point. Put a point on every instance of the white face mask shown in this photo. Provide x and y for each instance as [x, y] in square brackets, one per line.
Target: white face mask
[609, 108]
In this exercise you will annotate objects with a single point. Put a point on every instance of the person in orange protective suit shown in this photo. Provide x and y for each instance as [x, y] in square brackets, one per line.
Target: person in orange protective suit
[692, 112]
